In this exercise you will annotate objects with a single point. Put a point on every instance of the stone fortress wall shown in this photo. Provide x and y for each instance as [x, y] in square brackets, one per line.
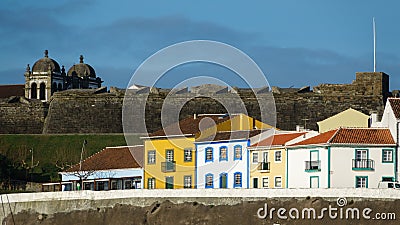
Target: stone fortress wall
[100, 111]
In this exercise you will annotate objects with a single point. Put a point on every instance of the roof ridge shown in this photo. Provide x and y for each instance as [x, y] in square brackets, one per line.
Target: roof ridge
[337, 131]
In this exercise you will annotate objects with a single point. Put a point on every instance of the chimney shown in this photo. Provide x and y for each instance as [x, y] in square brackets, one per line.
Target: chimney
[194, 116]
[373, 119]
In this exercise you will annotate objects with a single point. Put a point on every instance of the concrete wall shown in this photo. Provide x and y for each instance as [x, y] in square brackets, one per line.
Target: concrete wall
[53, 202]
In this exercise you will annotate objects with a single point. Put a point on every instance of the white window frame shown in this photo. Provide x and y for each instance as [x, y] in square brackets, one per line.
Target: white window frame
[263, 182]
[275, 179]
[151, 157]
[255, 159]
[280, 157]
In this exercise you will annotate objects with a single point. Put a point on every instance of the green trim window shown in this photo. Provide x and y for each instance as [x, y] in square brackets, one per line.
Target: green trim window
[187, 155]
[314, 181]
[361, 182]
[151, 157]
[314, 164]
[387, 155]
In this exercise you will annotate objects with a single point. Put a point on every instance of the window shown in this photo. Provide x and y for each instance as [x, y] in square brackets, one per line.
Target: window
[151, 157]
[238, 179]
[255, 182]
[255, 157]
[387, 155]
[223, 180]
[151, 183]
[361, 154]
[361, 182]
[42, 91]
[238, 152]
[265, 182]
[169, 182]
[209, 154]
[278, 182]
[127, 184]
[34, 91]
[278, 156]
[209, 181]
[187, 181]
[169, 155]
[187, 155]
[223, 153]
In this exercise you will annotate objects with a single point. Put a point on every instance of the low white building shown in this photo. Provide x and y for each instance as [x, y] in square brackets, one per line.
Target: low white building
[342, 158]
[222, 161]
[113, 168]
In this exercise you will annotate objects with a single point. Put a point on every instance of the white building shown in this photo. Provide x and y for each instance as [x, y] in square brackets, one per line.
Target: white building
[342, 158]
[222, 160]
[113, 168]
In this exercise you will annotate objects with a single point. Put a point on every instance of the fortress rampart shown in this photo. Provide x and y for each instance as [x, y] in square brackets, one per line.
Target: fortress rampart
[100, 111]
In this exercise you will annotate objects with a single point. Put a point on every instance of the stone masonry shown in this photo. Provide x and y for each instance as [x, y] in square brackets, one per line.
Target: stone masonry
[100, 111]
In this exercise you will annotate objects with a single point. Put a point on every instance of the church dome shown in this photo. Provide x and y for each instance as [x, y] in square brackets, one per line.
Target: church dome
[82, 69]
[46, 63]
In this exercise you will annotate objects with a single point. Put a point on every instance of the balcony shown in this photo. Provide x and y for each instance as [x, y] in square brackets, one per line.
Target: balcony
[264, 166]
[313, 166]
[363, 164]
[168, 166]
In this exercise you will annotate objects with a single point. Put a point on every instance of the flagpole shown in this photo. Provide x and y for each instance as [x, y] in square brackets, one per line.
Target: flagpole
[373, 26]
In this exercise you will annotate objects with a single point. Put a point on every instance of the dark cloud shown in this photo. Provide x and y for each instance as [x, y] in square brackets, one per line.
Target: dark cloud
[116, 49]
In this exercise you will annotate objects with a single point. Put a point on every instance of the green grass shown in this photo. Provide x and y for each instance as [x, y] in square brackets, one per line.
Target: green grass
[49, 149]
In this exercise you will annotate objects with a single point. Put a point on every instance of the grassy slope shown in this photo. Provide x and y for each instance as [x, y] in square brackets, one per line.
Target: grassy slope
[48, 149]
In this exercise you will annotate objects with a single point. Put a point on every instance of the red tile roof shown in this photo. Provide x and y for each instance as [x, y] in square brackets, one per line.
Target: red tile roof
[363, 136]
[395, 104]
[368, 136]
[7, 91]
[112, 158]
[190, 125]
[278, 139]
[231, 135]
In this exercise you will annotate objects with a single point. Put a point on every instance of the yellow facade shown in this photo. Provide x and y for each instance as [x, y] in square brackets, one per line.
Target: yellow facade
[347, 118]
[237, 122]
[158, 170]
[156, 173]
[269, 172]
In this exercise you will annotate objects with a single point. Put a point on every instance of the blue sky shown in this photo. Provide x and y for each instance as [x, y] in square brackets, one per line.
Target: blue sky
[295, 43]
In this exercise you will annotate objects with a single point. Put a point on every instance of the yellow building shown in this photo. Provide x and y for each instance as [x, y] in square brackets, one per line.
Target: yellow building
[169, 153]
[347, 118]
[268, 161]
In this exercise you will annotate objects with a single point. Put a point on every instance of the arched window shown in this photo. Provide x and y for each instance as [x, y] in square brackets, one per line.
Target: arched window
[223, 180]
[53, 87]
[209, 154]
[238, 152]
[34, 91]
[60, 87]
[209, 180]
[237, 179]
[223, 153]
[42, 92]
